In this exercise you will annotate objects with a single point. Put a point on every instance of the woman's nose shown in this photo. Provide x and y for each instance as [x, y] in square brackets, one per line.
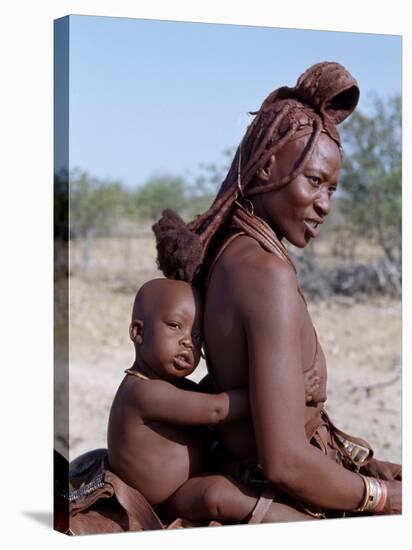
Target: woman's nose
[323, 204]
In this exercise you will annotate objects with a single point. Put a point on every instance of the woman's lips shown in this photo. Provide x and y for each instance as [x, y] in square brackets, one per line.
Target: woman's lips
[312, 228]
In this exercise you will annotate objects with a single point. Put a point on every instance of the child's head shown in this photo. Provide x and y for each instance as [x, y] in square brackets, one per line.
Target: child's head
[166, 328]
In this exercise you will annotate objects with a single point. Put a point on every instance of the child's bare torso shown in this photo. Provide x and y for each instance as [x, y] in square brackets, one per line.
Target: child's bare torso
[154, 457]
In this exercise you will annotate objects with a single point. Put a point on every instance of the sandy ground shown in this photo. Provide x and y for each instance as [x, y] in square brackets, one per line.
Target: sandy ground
[362, 344]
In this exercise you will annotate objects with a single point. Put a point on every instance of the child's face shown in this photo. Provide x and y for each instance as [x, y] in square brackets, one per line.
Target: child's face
[171, 337]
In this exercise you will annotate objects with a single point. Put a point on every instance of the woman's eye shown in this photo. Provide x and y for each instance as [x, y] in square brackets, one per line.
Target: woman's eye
[172, 324]
[314, 180]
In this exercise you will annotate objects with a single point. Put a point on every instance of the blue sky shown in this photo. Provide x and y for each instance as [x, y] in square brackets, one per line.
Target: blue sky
[150, 97]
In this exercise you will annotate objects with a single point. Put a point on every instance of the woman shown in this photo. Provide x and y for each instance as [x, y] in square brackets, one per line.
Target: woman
[258, 331]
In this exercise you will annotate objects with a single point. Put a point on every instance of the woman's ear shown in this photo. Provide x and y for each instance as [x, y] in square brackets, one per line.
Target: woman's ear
[265, 172]
[136, 331]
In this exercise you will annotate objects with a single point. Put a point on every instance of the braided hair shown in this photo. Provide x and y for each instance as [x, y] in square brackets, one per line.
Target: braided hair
[325, 94]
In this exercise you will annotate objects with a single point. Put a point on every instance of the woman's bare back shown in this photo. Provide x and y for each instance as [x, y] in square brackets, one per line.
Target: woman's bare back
[224, 330]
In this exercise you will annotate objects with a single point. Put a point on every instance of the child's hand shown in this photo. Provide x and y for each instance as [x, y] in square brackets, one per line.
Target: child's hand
[311, 380]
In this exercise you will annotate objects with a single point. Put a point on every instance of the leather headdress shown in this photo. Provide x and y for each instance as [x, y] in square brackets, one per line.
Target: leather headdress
[323, 97]
[327, 88]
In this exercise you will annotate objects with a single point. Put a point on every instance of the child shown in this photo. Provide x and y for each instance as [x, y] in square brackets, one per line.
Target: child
[156, 442]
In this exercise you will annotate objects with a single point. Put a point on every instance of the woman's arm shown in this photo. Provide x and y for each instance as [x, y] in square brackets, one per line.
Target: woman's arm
[273, 322]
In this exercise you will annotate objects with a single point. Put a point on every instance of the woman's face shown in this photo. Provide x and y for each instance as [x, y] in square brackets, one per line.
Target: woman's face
[296, 210]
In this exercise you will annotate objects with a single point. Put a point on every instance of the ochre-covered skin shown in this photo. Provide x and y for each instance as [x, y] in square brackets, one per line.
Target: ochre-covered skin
[156, 442]
[257, 329]
[148, 452]
[254, 310]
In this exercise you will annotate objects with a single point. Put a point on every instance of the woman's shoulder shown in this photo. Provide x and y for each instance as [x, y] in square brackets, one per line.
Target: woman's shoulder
[254, 280]
[246, 260]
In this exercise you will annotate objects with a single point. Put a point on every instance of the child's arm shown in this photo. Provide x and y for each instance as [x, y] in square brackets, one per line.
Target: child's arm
[206, 385]
[160, 401]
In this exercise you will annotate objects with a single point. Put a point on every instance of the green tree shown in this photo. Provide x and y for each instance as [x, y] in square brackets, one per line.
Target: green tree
[94, 207]
[371, 176]
[202, 191]
[160, 192]
[213, 174]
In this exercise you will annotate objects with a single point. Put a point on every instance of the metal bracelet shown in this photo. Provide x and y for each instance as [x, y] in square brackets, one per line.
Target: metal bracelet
[373, 496]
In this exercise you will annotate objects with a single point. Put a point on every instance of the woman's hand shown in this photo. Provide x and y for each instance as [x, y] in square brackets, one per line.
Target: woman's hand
[383, 470]
[394, 501]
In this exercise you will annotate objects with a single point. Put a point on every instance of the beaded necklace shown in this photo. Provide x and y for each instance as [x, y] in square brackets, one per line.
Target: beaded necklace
[137, 374]
[255, 227]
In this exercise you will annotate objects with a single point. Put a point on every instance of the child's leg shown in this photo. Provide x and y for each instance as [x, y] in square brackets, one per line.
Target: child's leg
[220, 498]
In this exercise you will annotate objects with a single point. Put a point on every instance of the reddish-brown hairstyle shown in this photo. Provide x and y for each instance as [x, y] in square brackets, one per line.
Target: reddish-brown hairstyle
[323, 97]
